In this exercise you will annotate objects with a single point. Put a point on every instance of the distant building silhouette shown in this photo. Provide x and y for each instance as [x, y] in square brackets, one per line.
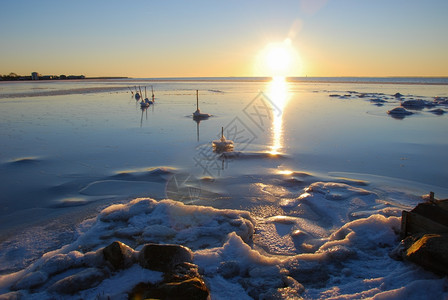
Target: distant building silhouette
[37, 76]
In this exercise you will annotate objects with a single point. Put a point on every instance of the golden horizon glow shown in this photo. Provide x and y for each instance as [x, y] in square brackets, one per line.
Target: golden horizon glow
[278, 93]
[315, 38]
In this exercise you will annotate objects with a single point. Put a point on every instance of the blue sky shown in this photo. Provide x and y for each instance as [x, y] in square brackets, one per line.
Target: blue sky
[211, 38]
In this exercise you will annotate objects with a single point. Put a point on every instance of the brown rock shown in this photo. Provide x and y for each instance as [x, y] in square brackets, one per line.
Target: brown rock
[119, 255]
[431, 252]
[182, 271]
[164, 258]
[193, 289]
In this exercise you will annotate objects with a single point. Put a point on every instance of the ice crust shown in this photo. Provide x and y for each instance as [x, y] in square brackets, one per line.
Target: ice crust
[331, 241]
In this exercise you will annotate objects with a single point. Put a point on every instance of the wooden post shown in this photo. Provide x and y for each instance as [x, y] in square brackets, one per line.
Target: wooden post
[197, 100]
[222, 132]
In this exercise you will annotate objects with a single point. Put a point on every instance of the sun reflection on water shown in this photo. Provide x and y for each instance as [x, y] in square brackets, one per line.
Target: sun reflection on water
[278, 94]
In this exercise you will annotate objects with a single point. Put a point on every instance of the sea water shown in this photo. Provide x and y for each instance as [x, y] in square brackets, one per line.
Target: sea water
[313, 161]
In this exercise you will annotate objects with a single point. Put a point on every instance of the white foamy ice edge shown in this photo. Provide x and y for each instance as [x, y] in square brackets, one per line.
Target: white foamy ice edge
[136, 223]
[348, 253]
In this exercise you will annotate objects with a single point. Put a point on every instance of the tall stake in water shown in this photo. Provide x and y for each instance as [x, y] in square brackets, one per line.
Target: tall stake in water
[222, 145]
[197, 115]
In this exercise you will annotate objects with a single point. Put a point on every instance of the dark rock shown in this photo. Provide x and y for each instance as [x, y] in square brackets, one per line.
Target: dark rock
[399, 252]
[181, 278]
[398, 95]
[85, 279]
[437, 111]
[164, 258]
[413, 103]
[182, 271]
[193, 288]
[399, 111]
[431, 252]
[441, 100]
[377, 100]
[119, 255]
[416, 104]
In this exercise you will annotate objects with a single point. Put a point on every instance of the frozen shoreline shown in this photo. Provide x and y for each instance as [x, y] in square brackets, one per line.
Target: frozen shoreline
[324, 207]
[332, 240]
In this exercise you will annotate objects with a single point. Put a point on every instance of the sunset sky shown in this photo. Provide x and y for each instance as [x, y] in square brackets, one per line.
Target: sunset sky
[225, 38]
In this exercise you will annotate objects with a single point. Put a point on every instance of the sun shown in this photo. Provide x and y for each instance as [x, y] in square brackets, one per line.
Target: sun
[278, 60]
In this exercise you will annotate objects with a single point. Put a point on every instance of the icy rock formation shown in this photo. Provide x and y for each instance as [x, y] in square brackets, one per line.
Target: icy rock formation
[119, 255]
[181, 277]
[429, 251]
[416, 103]
[437, 111]
[163, 258]
[399, 111]
[120, 248]
[441, 100]
[193, 288]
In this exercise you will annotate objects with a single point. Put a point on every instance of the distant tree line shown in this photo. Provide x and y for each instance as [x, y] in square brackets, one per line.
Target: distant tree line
[13, 76]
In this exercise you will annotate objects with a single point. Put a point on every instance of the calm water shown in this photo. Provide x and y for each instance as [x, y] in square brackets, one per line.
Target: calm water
[56, 138]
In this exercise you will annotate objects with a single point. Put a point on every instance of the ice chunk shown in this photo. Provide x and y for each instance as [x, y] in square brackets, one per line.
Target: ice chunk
[336, 191]
[399, 111]
[367, 234]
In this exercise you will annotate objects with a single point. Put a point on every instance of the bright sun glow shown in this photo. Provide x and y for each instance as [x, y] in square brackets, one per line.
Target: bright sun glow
[278, 94]
[278, 60]
[285, 172]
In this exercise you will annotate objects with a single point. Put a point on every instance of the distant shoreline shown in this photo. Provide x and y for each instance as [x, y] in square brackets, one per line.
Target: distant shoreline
[425, 80]
[70, 77]
[440, 80]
